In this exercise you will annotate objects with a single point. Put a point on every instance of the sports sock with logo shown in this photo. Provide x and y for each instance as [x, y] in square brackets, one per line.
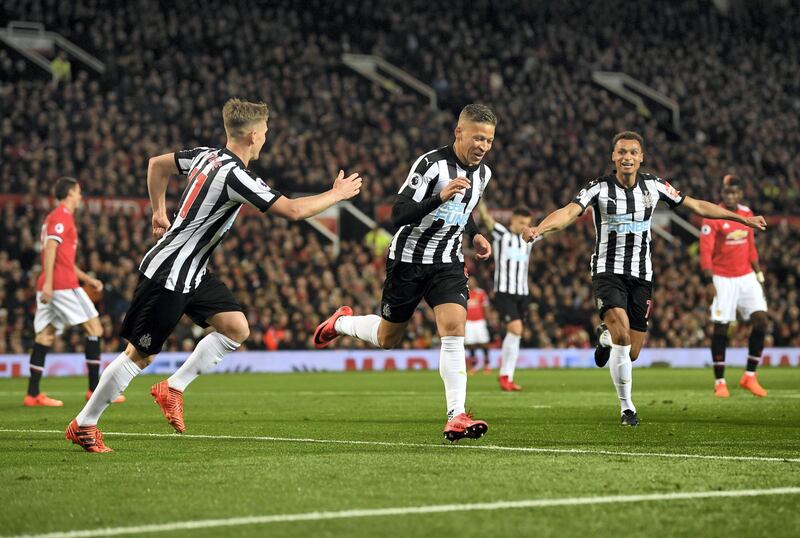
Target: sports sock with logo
[38, 355]
[620, 366]
[113, 382]
[92, 352]
[453, 371]
[362, 327]
[510, 353]
[206, 355]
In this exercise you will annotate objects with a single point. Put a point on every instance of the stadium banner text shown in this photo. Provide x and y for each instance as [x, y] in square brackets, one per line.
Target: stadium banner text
[63, 364]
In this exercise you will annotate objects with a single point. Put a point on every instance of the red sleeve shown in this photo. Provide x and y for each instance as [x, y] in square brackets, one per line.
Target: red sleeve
[57, 226]
[707, 238]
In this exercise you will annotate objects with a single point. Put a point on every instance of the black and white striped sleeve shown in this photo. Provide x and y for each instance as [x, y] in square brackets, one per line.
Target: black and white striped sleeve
[498, 231]
[588, 195]
[668, 193]
[184, 158]
[250, 189]
[419, 178]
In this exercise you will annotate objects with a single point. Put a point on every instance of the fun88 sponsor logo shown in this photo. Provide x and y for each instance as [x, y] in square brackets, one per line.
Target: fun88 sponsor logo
[452, 213]
[623, 224]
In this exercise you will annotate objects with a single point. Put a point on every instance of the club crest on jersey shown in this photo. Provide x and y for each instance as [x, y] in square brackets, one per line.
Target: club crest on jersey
[145, 341]
[452, 213]
[648, 200]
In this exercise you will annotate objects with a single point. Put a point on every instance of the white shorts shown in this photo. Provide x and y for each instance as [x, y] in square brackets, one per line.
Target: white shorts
[476, 332]
[67, 308]
[740, 293]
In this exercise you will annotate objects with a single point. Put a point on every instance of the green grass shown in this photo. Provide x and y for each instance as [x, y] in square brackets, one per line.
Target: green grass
[47, 485]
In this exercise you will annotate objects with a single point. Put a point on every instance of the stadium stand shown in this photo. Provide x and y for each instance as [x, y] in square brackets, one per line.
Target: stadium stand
[739, 109]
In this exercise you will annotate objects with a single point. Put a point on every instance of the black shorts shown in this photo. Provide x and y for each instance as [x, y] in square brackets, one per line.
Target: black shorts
[511, 306]
[629, 293]
[155, 310]
[408, 283]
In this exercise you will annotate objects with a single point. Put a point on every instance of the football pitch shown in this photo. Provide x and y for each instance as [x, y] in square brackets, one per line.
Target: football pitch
[362, 454]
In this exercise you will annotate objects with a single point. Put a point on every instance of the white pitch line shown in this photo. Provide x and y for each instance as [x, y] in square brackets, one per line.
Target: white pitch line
[393, 444]
[408, 510]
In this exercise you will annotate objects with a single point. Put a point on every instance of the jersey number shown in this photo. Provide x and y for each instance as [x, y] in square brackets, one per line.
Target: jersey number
[199, 180]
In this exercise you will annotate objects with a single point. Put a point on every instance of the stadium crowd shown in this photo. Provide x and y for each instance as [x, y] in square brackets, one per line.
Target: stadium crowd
[736, 78]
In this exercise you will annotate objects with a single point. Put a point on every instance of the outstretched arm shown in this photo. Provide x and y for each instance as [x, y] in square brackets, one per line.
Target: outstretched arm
[555, 221]
[159, 169]
[344, 188]
[486, 218]
[713, 211]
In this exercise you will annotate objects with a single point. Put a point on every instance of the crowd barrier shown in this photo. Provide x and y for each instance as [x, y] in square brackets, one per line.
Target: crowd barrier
[375, 360]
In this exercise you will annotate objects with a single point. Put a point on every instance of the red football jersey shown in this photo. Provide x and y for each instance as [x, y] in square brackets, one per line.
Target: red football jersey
[727, 247]
[478, 299]
[60, 225]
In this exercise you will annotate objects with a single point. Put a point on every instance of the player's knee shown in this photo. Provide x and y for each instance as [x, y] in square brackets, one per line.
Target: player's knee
[720, 329]
[238, 332]
[45, 338]
[759, 321]
[139, 359]
[389, 341]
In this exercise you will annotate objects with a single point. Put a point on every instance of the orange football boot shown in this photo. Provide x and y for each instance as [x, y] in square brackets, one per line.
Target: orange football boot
[325, 332]
[171, 403]
[88, 437]
[462, 425]
[41, 400]
[721, 390]
[750, 383]
[508, 385]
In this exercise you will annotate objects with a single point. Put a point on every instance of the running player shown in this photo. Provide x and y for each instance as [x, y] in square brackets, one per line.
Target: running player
[511, 293]
[432, 212]
[476, 331]
[623, 204]
[60, 300]
[173, 280]
[729, 263]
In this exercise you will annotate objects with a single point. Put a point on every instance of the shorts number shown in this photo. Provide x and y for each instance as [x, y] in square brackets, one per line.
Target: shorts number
[199, 179]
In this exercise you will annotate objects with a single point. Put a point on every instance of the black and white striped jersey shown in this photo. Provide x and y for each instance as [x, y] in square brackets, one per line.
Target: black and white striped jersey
[218, 185]
[511, 258]
[622, 219]
[437, 237]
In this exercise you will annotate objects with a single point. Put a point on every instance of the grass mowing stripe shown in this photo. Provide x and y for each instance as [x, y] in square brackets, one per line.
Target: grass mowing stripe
[581, 451]
[410, 510]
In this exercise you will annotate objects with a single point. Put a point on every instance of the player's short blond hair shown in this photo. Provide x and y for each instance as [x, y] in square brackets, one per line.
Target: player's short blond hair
[477, 113]
[238, 116]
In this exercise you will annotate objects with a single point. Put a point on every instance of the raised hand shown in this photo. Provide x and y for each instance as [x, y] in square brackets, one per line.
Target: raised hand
[530, 233]
[456, 186]
[347, 187]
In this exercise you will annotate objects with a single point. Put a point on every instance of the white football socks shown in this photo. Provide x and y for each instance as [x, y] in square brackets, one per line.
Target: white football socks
[620, 366]
[113, 382]
[206, 355]
[453, 371]
[510, 353]
[605, 339]
[362, 327]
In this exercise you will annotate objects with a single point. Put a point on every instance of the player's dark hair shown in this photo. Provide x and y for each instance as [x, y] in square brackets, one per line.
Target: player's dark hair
[729, 181]
[478, 114]
[628, 135]
[521, 211]
[63, 186]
